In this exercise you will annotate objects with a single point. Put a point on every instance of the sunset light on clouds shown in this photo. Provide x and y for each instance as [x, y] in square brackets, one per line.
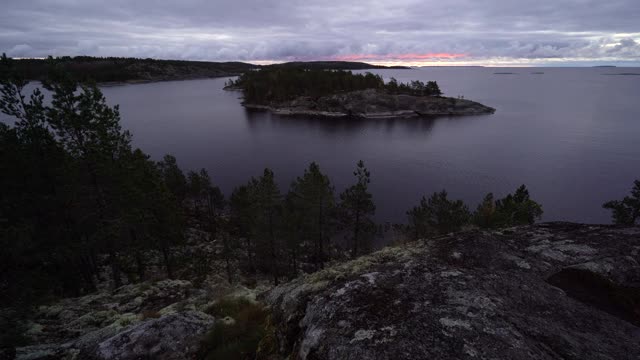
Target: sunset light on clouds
[403, 32]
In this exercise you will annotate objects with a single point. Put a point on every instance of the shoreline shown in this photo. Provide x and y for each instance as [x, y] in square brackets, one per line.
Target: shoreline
[149, 81]
[400, 114]
[371, 104]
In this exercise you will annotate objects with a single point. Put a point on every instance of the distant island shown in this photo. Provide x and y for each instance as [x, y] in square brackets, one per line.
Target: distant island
[339, 93]
[134, 70]
[624, 74]
[333, 65]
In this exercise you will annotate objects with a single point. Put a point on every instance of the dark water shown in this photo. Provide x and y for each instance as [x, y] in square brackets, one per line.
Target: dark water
[571, 135]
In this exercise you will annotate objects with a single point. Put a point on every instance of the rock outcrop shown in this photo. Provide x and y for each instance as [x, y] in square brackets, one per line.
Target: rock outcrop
[375, 104]
[170, 337]
[151, 320]
[548, 291]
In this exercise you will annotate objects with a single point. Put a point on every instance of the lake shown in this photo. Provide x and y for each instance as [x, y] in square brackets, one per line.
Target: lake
[572, 135]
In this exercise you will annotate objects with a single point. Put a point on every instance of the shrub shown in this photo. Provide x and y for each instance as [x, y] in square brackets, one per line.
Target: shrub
[150, 314]
[437, 214]
[513, 209]
[627, 210]
[238, 339]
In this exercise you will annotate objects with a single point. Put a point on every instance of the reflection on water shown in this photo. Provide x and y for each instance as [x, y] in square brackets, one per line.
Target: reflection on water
[258, 119]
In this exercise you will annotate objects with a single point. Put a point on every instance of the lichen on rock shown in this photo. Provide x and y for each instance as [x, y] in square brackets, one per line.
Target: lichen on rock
[173, 336]
[476, 294]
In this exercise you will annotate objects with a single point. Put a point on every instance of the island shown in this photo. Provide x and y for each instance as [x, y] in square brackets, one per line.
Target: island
[339, 93]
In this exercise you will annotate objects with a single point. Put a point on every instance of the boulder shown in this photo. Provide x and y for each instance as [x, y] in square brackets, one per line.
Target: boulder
[546, 291]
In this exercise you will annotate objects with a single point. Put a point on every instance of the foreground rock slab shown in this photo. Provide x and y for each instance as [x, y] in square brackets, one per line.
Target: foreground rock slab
[548, 291]
[170, 337]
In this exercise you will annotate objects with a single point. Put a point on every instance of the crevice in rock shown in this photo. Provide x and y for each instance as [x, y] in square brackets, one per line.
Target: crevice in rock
[600, 292]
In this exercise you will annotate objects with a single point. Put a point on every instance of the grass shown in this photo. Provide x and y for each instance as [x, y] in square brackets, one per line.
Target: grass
[238, 339]
[150, 314]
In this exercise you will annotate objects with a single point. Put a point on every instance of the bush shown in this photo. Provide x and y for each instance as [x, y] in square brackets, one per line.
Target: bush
[150, 314]
[436, 215]
[627, 210]
[237, 339]
[513, 209]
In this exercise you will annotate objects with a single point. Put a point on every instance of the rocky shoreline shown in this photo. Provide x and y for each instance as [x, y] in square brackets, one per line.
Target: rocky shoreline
[375, 104]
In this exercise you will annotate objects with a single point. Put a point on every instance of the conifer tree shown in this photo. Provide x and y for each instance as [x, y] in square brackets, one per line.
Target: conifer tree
[517, 209]
[312, 196]
[356, 208]
[486, 212]
[514, 209]
[242, 221]
[173, 177]
[437, 215]
[267, 201]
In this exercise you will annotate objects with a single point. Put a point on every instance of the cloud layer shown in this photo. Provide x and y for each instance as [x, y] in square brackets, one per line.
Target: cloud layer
[417, 32]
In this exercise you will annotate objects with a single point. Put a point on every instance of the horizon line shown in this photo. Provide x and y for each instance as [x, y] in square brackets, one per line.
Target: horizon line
[566, 63]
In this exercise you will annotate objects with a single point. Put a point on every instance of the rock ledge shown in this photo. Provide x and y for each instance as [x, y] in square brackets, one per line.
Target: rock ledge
[548, 291]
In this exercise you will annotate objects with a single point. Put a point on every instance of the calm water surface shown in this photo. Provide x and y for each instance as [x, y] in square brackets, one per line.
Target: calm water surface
[572, 135]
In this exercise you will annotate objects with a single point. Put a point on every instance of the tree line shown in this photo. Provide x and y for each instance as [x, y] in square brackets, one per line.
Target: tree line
[278, 84]
[120, 69]
[74, 191]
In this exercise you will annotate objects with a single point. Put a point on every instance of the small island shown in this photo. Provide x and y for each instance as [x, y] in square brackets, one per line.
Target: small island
[339, 93]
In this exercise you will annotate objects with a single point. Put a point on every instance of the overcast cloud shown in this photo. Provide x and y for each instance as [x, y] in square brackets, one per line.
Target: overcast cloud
[482, 32]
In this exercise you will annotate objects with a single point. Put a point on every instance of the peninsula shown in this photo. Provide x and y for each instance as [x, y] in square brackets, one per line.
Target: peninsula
[339, 93]
[134, 70]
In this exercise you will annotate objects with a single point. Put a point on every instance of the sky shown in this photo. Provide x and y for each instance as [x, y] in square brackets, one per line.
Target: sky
[387, 32]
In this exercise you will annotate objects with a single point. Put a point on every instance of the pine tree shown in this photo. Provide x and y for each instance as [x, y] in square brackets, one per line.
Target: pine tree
[267, 201]
[312, 196]
[517, 209]
[485, 214]
[292, 232]
[242, 221]
[437, 215]
[173, 177]
[432, 89]
[77, 143]
[89, 130]
[356, 208]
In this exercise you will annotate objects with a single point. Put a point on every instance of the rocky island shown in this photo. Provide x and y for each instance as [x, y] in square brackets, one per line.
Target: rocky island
[343, 94]
[375, 104]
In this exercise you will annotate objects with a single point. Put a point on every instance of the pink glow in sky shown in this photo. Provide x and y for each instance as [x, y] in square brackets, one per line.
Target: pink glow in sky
[405, 57]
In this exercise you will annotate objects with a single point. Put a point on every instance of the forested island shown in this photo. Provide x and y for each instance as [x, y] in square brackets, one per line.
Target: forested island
[339, 93]
[120, 69]
[109, 254]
